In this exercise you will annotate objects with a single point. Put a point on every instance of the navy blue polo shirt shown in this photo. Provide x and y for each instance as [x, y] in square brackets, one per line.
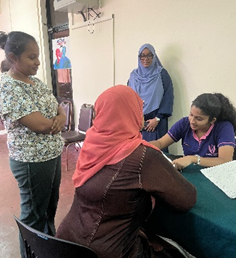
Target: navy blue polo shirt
[221, 133]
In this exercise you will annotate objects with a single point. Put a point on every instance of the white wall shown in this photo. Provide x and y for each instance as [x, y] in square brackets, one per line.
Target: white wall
[28, 16]
[93, 71]
[5, 24]
[195, 41]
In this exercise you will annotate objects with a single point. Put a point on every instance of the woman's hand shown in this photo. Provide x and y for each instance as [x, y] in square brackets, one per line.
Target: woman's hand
[152, 125]
[58, 123]
[183, 162]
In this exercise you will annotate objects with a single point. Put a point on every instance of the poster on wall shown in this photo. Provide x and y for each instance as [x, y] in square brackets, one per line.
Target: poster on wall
[61, 53]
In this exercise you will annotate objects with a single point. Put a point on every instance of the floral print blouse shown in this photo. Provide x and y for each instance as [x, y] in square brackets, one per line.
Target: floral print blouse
[18, 99]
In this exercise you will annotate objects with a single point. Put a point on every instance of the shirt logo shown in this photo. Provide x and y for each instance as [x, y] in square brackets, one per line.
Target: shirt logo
[212, 150]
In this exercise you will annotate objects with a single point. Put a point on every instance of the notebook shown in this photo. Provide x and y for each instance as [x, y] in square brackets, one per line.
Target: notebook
[223, 176]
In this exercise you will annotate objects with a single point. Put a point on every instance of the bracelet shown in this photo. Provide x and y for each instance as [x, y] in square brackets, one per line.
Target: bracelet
[198, 160]
[157, 119]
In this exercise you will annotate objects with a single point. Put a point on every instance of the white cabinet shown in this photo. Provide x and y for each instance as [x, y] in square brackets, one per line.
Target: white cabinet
[75, 6]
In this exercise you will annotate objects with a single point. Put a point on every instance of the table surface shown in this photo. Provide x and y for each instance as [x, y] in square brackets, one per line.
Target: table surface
[208, 230]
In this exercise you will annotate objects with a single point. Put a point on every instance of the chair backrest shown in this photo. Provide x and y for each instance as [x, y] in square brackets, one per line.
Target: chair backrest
[68, 108]
[40, 245]
[85, 117]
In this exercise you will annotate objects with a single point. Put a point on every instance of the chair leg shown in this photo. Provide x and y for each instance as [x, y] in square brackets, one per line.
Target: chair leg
[67, 163]
[67, 153]
[77, 146]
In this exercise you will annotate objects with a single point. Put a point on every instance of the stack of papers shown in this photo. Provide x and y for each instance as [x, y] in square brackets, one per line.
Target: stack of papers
[223, 176]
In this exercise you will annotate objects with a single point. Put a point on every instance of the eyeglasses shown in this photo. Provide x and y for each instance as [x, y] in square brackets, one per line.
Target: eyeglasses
[148, 56]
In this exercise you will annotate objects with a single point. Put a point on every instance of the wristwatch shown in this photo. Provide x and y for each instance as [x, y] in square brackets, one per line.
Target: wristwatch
[198, 160]
[158, 119]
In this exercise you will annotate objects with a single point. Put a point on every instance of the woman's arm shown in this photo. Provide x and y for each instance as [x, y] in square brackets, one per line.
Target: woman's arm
[166, 105]
[58, 121]
[225, 154]
[164, 142]
[37, 123]
[166, 184]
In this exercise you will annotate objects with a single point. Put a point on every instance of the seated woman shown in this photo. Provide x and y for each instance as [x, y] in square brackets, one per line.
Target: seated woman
[207, 134]
[116, 174]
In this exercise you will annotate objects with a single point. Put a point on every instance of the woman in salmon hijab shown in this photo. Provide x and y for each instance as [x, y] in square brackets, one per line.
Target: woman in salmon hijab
[116, 175]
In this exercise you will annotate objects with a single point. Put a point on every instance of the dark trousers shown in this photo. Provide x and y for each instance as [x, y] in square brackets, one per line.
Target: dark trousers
[39, 193]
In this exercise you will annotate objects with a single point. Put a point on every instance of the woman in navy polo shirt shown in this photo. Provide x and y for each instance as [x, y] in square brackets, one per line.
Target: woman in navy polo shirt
[207, 134]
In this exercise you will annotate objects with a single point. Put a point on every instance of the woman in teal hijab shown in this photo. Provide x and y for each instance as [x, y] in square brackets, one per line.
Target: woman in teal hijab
[153, 84]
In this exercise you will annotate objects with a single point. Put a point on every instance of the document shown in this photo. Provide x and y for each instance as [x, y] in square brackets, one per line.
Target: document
[166, 157]
[223, 176]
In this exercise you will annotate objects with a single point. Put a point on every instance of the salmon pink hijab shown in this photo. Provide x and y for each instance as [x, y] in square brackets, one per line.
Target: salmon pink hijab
[115, 133]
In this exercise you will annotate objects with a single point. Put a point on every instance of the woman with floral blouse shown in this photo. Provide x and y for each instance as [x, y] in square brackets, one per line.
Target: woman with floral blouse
[34, 121]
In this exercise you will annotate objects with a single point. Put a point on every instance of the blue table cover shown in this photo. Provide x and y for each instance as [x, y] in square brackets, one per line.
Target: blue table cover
[208, 230]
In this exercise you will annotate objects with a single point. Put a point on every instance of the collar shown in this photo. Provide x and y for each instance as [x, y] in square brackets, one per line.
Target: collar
[205, 135]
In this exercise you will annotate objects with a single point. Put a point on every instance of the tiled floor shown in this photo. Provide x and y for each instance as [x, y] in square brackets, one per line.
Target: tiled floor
[10, 202]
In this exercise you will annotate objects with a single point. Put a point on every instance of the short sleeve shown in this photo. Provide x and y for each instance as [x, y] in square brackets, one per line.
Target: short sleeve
[225, 135]
[178, 130]
[15, 102]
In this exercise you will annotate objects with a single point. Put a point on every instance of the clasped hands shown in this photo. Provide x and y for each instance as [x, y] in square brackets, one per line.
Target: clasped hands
[58, 124]
[152, 124]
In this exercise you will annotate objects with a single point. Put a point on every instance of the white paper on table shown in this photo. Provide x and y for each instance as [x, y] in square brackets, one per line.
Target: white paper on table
[178, 247]
[166, 157]
[223, 176]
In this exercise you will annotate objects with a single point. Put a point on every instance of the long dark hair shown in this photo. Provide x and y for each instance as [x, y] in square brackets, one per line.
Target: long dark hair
[216, 105]
[15, 42]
